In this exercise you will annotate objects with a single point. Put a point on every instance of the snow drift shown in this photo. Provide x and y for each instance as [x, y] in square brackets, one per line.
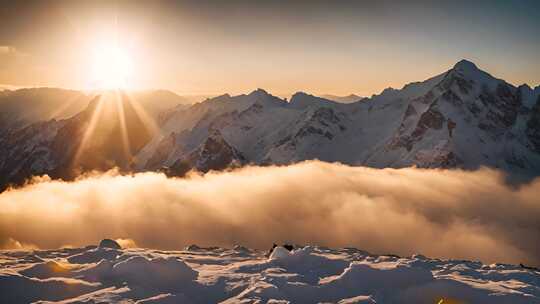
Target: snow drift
[218, 275]
[439, 213]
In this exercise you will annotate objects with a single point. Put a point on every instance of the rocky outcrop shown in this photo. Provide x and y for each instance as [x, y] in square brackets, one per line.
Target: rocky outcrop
[108, 243]
[213, 154]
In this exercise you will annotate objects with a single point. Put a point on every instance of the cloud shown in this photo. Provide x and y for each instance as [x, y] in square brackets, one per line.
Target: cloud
[439, 213]
[11, 243]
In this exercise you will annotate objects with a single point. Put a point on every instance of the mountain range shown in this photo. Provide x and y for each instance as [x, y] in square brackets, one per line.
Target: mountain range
[461, 118]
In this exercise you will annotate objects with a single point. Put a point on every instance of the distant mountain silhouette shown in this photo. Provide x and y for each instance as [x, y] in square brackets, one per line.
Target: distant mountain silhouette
[343, 99]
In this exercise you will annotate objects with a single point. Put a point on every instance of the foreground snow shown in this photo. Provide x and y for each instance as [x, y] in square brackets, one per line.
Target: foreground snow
[208, 275]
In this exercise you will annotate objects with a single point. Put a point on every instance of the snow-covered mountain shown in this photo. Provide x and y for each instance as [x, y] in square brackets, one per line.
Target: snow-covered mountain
[462, 118]
[31, 145]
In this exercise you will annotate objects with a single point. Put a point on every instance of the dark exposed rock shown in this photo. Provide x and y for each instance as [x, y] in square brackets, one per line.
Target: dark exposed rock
[403, 141]
[450, 125]
[474, 108]
[455, 79]
[502, 108]
[438, 159]
[322, 116]
[108, 243]
[309, 130]
[431, 119]
[193, 247]
[453, 98]
[213, 154]
[289, 247]
[255, 108]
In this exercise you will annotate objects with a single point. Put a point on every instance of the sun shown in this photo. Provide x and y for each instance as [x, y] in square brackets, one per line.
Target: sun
[111, 67]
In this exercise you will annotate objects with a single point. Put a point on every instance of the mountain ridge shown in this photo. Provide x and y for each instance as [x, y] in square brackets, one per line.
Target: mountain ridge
[462, 118]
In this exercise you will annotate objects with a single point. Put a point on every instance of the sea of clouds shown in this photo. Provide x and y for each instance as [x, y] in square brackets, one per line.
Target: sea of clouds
[439, 213]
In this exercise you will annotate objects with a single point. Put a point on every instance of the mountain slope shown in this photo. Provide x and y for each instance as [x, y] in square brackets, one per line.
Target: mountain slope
[105, 134]
[467, 120]
[462, 118]
[90, 140]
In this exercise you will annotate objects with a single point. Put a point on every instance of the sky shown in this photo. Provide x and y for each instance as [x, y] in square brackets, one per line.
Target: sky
[235, 46]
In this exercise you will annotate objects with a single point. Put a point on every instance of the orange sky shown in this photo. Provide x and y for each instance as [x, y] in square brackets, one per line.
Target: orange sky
[211, 47]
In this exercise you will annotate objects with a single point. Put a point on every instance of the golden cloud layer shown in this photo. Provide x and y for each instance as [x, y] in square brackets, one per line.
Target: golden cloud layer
[439, 213]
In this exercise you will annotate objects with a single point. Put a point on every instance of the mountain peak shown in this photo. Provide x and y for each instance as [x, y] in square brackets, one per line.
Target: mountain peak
[465, 65]
[300, 94]
[259, 91]
[468, 70]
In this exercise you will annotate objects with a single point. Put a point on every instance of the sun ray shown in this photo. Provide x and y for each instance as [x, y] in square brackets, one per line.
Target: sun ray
[123, 127]
[89, 130]
[65, 105]
[147, 120]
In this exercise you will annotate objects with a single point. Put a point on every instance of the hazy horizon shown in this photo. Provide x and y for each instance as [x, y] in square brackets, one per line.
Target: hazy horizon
[284, 95]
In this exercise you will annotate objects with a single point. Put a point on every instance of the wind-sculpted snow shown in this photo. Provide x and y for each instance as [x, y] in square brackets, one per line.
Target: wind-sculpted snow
[439, 213]
[241, 275]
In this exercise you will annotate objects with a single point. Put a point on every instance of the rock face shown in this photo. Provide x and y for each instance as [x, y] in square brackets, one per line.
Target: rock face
[462, 118]
[214, 154]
